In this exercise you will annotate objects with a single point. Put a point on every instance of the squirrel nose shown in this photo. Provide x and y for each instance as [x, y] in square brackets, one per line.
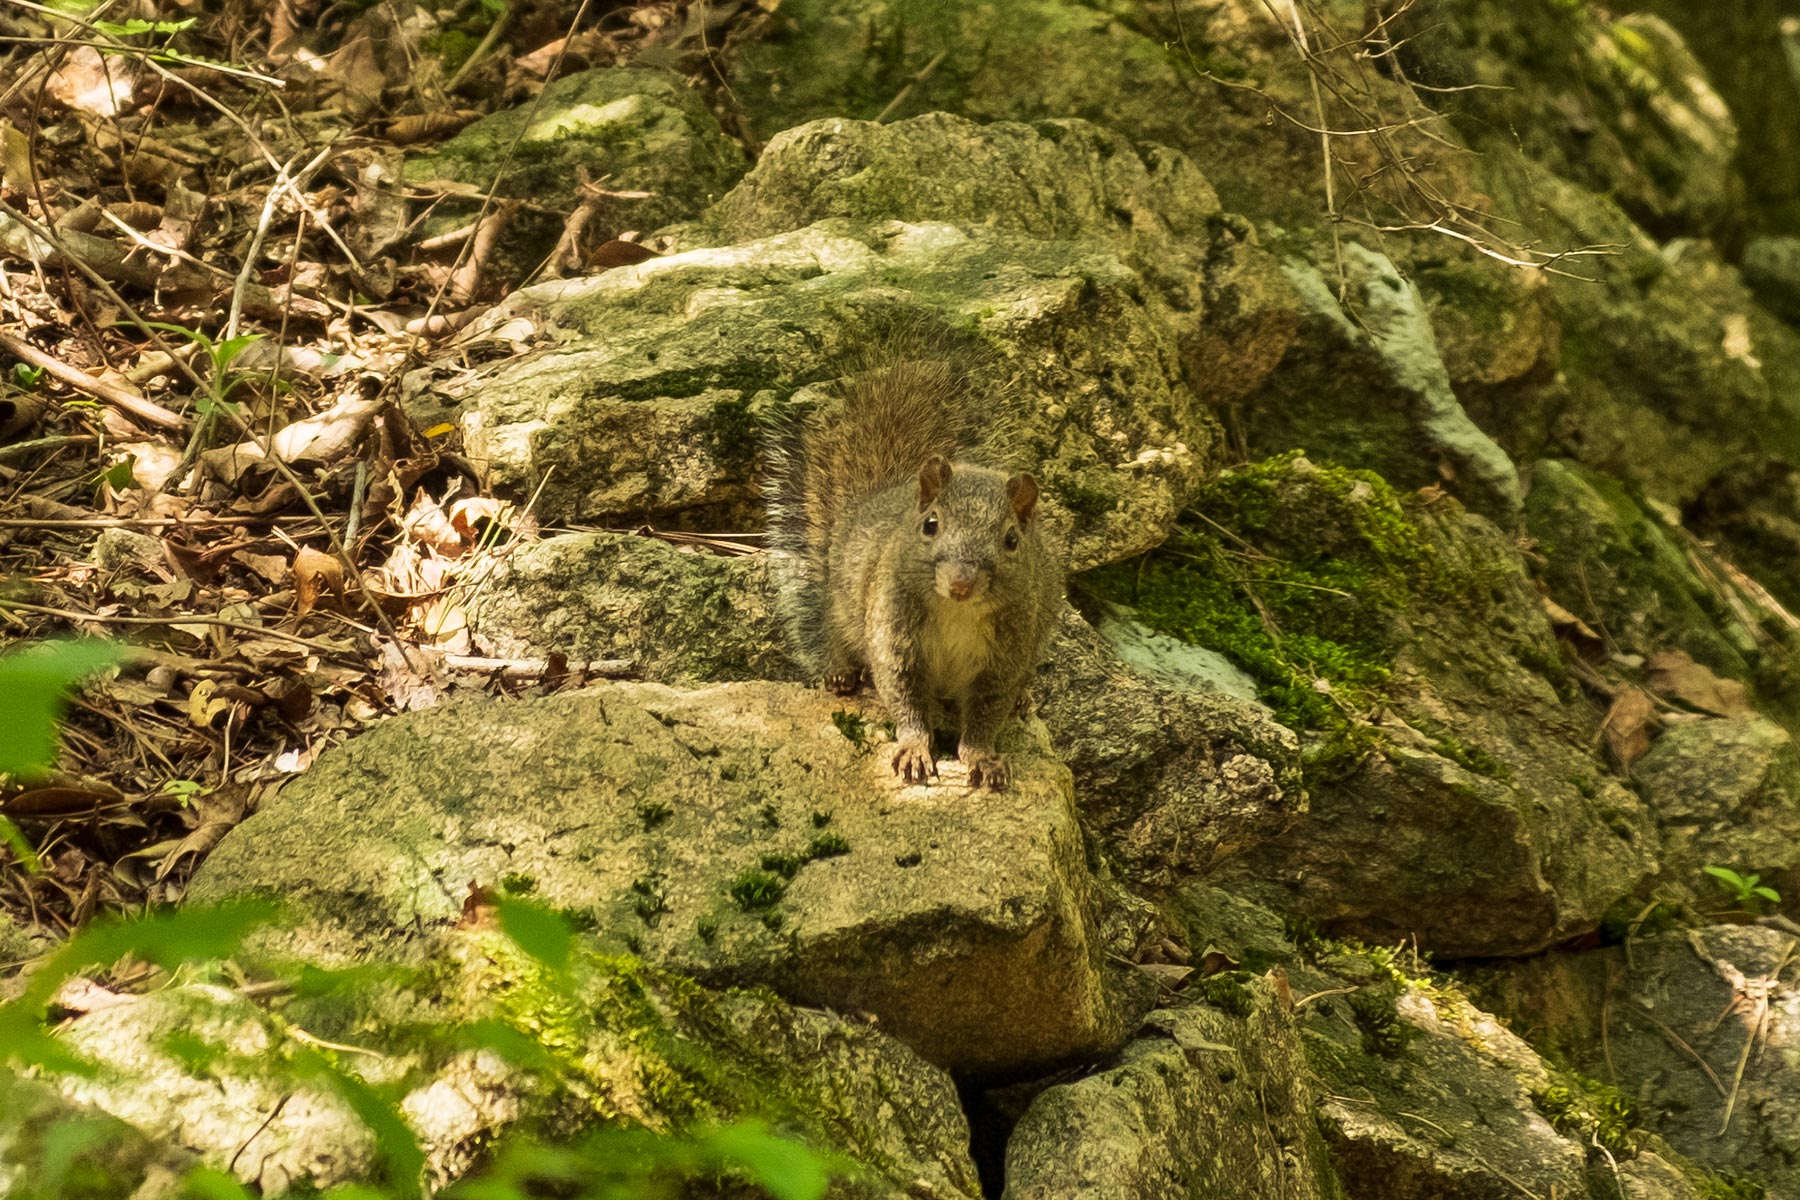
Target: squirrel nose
[960, 588]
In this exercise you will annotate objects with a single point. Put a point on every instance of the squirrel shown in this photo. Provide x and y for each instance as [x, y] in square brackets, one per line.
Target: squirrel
[902, 555]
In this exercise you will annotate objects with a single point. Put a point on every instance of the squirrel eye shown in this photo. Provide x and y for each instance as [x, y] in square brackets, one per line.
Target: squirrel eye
[931, 525]
[1012, 539]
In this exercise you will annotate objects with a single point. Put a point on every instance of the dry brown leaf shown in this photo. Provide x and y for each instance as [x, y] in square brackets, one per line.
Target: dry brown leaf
[618, 253]
[328, 437]
[422, 127]
[427, 523]
[1675, 675]
[205, 705]
[1626, 728]
[315, 573]
[91, 82]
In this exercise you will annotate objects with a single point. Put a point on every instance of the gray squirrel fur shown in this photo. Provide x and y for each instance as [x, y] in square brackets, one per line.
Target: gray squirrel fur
[901, 555]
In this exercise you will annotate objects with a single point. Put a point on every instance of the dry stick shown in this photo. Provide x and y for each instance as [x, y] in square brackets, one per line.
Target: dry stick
[919, 77]
[533, 668]
[142, 522]
[68, 614]
[127, 401]
[21, 449]
[283, 183]
[481, 49]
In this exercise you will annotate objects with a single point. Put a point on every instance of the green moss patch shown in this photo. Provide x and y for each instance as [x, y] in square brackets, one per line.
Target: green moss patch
[1296, 573]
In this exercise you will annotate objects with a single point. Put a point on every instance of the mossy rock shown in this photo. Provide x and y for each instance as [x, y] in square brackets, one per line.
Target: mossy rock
[1402, 637]
[1612, 564]
[479, 1043]
[636, 129]
[746, 834]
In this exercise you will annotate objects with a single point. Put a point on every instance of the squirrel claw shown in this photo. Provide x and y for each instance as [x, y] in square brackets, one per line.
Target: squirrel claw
[986, 768]
[913, 761]
[843, 683]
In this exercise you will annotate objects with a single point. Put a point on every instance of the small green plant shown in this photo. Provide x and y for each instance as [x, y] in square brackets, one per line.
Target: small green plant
[753, 890]
[34, 684]
[26, 376]
[707, 928]
[820, 819]
[653, 813]
[220, 381]
[1747, 890]
[515, 883]
[185, 791]
[785, 865]
[854, 728]
[827, 845]
[648, 899]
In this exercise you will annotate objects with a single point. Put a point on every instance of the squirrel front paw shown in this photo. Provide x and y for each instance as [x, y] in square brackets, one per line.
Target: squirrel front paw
[844, 683]
[913, 761]
[985, 767]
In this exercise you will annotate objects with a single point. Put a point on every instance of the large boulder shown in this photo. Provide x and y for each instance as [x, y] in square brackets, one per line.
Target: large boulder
[1203, 1102]
[743, 834]
[677, 615]
[207, 1073]
[1372, 391]
[1455, 795]
[1724, 791]
[1696, 1028]
[1172, 774]
[1172, 778]
[627, 129]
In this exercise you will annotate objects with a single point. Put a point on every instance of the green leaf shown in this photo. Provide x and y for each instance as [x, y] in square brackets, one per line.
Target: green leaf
[230, 348]
[394, 1138]
[118, 476]
[192, 335]
[786, 1169]
[1767, 893]
[15, 841]
[545, 935]
[137, 25]
[32, 686]
[166, 938]
[27, 376]
[205, 1183]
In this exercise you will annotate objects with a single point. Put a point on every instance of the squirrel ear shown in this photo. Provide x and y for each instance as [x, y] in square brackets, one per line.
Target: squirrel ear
[1022, 490]
[932, 478]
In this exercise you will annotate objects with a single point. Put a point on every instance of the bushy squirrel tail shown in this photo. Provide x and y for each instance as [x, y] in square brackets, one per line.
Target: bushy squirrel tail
[905, 398]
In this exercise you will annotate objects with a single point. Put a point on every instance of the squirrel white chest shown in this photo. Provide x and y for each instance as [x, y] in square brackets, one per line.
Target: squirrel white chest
[958, 644]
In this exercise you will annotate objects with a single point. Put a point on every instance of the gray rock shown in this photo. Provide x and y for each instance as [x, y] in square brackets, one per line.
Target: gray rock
[208, 1074]
[1724, 792]
[745, 833]
[681, 616]
[1172, 780]
[1619, 569]
[1201, 1103]
[1426, 1097]
[111, 1160]
[1672, 1021]
[1373, 392]
[1173, 663]
[1772, 269]
[1454, 791]
[635, 128]
[692, 352]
